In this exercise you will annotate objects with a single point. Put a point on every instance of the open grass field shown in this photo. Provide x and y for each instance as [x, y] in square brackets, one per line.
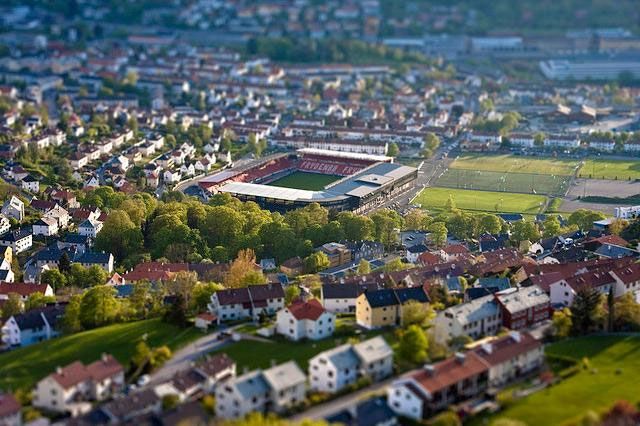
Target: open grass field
[492, 202]
[611, 169]
[305, 180]
[22, 368]
[525, 183]
[594, 389]
[515, 164]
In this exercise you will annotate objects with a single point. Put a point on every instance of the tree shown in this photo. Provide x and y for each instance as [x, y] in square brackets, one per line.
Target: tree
[538, 139]
[395, 265]
[525, 231]
[139, 300]
[183, 284]
[462, 225]
[438, 233]
[316, 262]
[617, 226]
[446, 418]
[417, 220]
[584, 310]
[431, 142]
[38, 300]
[584, 218]
[610, 310]
[393, 150]
[562, 323]
[627, 313]
[177, 312]
[98, 307]
[364, 267]
[201, 295]
[450, 205]
[54, 278]
[551, 227]
[170, 401]
[356, 227]
[13, 305]
[291, 293]
[64, 264]
[416, 313]
[244, 271]
[71, 318]
[119, 235]
[414, 345]
[387, 224]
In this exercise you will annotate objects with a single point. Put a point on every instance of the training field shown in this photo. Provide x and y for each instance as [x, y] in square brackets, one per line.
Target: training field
[487, 201]
[515, 164]
[611, 169]
[526, 183]
[305, 180]
[614, 367]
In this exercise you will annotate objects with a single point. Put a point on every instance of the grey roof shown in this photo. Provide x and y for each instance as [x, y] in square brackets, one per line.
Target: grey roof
[474, 310]
[342, 357]
[251, 384]
[372, 350]
[284, 376]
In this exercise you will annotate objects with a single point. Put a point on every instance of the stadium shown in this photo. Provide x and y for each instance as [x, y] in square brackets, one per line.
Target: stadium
[336, 180]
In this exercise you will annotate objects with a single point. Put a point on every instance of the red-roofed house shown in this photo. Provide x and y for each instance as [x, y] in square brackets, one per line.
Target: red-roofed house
[24, 290]
[205, 320]
[452, 252]
[69, 389]
[10, 410]
[305, 320]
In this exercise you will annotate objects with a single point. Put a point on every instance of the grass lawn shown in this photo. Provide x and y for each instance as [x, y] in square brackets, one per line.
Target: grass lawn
[305, 180]
[611, 169]
[22, 368]
[515, 164]
[526, 183]
[436, 199]
[569, 399]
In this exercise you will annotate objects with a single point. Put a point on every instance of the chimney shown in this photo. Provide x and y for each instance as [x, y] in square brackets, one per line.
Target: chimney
[460, 357]
[516, 336]
[430, 369]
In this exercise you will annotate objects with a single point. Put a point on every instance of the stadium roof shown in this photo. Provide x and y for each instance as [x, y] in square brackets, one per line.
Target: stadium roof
[358, 185]
[341, 154]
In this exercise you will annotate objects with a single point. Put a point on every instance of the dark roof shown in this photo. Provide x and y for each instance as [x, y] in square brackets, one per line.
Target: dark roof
[213, 365]
[30, 320]
[123, 408]
[16, 235]
[94, 257]
[511, 217]
[411, 293]
[75, 239]
[267, 291]
[380, 298]
[418, 248]
[374, 411]
[233, 296]
[346, 291]
[191, 413]
[477, 292]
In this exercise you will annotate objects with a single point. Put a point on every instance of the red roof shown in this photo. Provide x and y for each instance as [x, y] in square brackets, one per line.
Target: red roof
[310, 310]
[427, 258]
[77, 372]
[23, 289]
[9, 405]
[455, 249]
[450, 371]
[628, 274]
[207, 317]
[107, 366]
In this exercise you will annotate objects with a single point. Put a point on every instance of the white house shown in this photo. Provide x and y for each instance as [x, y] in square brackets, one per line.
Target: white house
[45, 226]
[31, 184]
[332, 370]
[14, 208]
[564, 291]
[569, 141]
[632, 146]
[19, 240]
[477, 318]
[630, 212]
[305, 320]
[171, 176]
[5, 224]
[32, 326]
[90, 228]
[71, 388]
[273, 390]
[10, 410]
[248, 302]
[523, 140]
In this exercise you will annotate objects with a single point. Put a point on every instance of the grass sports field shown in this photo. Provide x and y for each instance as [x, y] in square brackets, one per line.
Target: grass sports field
[526, 183]
[611, 169]
[492, 202]
[612, 376]
[22, 368]
[515, 164]
[305, 180]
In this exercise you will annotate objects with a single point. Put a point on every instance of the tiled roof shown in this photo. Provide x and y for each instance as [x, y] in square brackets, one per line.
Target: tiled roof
[311, 310]
[450, 371]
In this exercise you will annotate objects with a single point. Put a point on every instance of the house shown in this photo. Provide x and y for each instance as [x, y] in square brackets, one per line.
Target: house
[522, 140]
[267, 264]
[71, 388]
[568, 141]
[19, 240]
[523, 307]
[7, 275]
[5, 224]
[435, 387]
[90, 228]
[79, 243]
[31, 184]
[627, 279]
[382, 308]
[205, 320]
[341, 298]
[33, 326]
[24, 290]
[452, 252]
[334, 369]
[248, 302]
[564, 291]
[125, 409]
[60, 215]
[476, 318]
[185, 384]
[14, 207]
[78, 160]
[371, 412]
[293, 267]
[364, 249]
[216, 368]
[337, 253]
[10, 410]
[305, 320]
[612, 251]
[273, 390]
[101, 259]
[45, 226]
[414, 252]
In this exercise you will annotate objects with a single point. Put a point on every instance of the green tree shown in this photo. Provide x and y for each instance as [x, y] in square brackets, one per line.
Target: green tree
[364, 267]
[202, 293]
[387, 225]
[393, 150]
[140, 298]
[12, 306]
[584, 310]
[488, 223]
[525, 231]
[551, 227]
[584, 218]
[416, 313]
[71, 318]
[98, 307]
[438, 233]
[356, 227]
[316, 262]
[38, 300]
[450, 205]
[627, 313]
[120, 236]
[417, 220]
[431, 142]
[414, 345]
[54, 278]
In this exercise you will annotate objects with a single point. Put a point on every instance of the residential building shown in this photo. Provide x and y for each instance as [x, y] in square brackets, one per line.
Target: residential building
[24, 290]
[5, 224]
[70, 389]
[248, 302]
[272, 390]
[305, 320]
[337, 253]
[19, 240]
[31, 184]
[14, 207]
[334, 369]
[10, 410]
[523, 307]
[342, 298]
[33, 326]
[476, 318]
[101, 259]
[90, 228]
[45, 226]
[382, 308]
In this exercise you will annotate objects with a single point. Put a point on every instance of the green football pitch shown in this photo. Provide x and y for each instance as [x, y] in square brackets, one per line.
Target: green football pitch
[305, 180]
